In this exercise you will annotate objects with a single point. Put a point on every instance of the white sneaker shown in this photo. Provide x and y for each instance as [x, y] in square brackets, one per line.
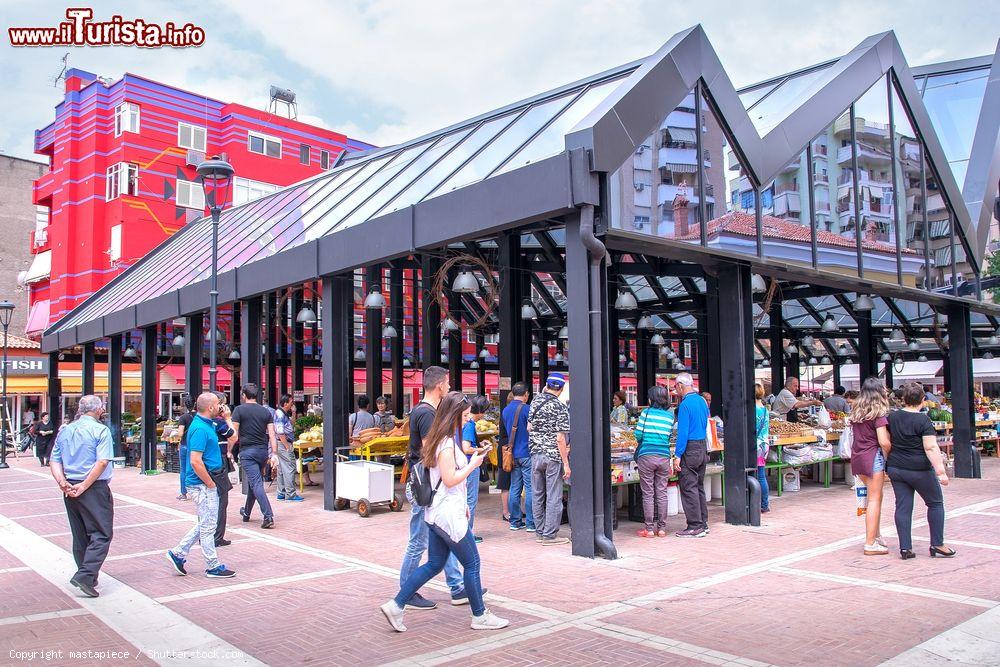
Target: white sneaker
[394, 615]
[876, 549]
[881, 540]
[489, 621]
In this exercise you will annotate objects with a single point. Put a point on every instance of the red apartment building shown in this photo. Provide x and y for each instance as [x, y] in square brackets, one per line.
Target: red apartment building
[122, 179]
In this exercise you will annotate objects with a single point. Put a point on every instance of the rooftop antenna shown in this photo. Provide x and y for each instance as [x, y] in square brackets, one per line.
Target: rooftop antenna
[285, 97]
[62, 73]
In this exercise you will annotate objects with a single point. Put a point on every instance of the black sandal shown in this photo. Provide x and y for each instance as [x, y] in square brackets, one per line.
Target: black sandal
[938, 551]
[906, 554]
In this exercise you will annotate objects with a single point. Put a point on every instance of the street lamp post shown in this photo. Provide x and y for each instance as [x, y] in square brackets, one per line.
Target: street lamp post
[217, 179]
[6, 311]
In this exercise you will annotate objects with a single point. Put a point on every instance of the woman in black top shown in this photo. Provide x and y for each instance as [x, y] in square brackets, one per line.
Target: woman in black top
[44, 440]
[915, 464]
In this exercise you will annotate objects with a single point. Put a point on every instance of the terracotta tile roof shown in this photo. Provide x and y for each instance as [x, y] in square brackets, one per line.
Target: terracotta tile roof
[20, 343]
[743, 224]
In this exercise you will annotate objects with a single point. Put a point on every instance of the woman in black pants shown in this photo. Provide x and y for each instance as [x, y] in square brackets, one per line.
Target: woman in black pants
[915, 464]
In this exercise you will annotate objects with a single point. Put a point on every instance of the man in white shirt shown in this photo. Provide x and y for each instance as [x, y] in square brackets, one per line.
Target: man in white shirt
[786, 402]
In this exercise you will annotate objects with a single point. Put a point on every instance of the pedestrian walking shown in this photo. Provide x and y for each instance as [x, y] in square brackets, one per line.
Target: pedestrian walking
[436, 386]
[45, 439]
[183, 424]
[915, 464]
[285, 432]
[226, 436]
[254, 429]
[548, 426]
[470, 445]
[691, 455]
[81, 466]
[869, 450]
[514, 423]
[204, 455]
[447, 517]
[655, 462]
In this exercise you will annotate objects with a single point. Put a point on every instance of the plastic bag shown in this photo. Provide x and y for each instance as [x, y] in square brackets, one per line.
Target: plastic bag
[861, 493]
[823, 419]
[846, 442]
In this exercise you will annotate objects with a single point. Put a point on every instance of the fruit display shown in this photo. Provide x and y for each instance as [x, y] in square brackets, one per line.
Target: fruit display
[622, 438]
[783, 429]
[312, 436]
[486, 426]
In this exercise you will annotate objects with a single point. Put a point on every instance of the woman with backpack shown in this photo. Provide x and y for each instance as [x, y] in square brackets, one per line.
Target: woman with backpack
[439, 484]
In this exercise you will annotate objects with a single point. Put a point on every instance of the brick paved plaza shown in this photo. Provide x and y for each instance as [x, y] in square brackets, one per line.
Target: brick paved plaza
[797, 590]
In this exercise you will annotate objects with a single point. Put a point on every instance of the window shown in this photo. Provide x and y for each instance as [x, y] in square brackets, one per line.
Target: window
[304, 154]
[324, 159]
[126, 118]
[121, 179]
[192, 136]
[115, 250]
[263, 144]
[190, 195]
[245, 190]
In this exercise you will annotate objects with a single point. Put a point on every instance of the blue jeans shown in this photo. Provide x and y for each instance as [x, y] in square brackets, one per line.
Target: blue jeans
[416, 547]
[520, 477]
[762, 478]
[252, 459]
[206, 501]
[472, 494]
[182, 455]
[440, 550]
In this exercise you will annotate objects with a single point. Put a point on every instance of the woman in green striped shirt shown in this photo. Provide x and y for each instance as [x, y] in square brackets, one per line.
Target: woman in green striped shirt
[653, 455]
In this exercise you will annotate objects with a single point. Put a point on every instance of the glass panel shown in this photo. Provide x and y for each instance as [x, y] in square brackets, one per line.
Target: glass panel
[953, 103]
[404, 178]
[785, 202]
[510, 140]
[841, 246]
[552, 140]
[871, 113]
[751, 97]
[656, 190]
[909, 199]
[787, 97]
[432, 177]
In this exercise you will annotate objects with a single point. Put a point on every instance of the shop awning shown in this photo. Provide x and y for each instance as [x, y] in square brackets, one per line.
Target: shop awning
[685, 134]
[41, 267]
[72, 383]
[38, 318]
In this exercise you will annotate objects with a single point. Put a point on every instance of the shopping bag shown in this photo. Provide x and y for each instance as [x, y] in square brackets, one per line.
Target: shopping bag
[846, 442]
[823, 419]
[861, 493]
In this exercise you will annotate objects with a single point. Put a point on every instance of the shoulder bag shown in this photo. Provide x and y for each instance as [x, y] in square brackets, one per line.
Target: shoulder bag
[508, 449]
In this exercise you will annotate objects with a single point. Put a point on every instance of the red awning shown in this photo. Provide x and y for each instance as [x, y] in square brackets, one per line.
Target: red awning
[38, 318]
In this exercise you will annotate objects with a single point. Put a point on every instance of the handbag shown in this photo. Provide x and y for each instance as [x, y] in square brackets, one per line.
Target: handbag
[508, 449]
[846, 442]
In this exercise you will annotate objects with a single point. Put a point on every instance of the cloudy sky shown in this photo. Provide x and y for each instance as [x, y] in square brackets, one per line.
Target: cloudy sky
[385, 71]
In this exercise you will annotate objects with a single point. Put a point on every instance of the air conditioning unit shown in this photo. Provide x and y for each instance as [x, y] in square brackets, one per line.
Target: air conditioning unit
[194, 158]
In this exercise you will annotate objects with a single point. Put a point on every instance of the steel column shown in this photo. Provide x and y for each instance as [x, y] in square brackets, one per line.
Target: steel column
[282, 329]
[193, 354]
[511, 348]
[373, 336]
[115, 390]
[836, 373]
[543, 355]
[338, 308]
[735, 362]
[614, 344]
[887, 375]
[481, 371]
[777, 340]
[54, 390]
[710, 348]
[431, 330]
[87, 371]
[396, 345]
[150, 400]
[270, 362]
[645, 376]
[251, 313]
[867, 346]
[298, 351]
[962, 403]
[455, 340]
[590, 506]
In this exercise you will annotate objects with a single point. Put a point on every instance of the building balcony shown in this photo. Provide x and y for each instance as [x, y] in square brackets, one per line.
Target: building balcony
[45, 139]
[682, 159]
[821, 179]
[787, 203]
[866, 153]
[820, 150]
[785, 187]
[42, 189]
[861, 127]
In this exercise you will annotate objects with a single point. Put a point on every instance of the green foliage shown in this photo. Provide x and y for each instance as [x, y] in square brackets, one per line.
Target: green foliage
[306, 422]
[993, 269]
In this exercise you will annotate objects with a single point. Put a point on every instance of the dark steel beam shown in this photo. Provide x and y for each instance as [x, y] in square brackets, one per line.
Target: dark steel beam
[959, 372]
[396, 345]
[373, 336]
[298, 351]
[114, 391]
[150, 401]
[54, 389]
[87, 371]
[251, 313]
[338, 310]
[431, 329]
[270, 360]
[193, 354]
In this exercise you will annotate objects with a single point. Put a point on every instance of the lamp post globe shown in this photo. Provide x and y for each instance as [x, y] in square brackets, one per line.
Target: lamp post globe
[6, 312]
[216, 181]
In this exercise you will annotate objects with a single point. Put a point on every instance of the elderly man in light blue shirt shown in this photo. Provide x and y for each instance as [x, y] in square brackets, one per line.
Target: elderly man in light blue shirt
[81, 466]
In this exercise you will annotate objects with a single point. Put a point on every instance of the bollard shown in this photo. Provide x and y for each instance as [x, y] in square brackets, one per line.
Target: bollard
[753, 498]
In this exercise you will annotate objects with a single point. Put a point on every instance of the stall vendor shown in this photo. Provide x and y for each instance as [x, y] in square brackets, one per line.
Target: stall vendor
[786, 404]
[619, 411]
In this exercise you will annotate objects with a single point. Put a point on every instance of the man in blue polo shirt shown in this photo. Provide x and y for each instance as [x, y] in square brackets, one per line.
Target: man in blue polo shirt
[514, 434]
[691, 455]
[204, 455]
